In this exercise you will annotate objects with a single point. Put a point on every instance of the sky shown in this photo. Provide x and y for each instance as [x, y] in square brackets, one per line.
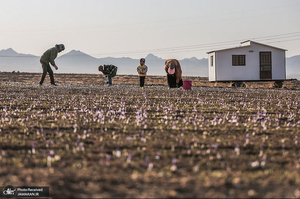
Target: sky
[134, 28]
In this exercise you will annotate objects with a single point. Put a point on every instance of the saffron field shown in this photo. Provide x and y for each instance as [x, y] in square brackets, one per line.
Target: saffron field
[87, 140]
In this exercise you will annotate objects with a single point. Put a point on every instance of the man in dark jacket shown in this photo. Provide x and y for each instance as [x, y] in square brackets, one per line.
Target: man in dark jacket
[110, 71]
[49, 57]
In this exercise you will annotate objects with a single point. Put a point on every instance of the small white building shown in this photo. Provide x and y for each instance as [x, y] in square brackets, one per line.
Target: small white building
[251, 61]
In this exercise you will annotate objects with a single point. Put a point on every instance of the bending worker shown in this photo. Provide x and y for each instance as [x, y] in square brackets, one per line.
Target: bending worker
[49, 57]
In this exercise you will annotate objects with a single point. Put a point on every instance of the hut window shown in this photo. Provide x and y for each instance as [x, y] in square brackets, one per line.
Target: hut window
[239, 60]
[211, 60]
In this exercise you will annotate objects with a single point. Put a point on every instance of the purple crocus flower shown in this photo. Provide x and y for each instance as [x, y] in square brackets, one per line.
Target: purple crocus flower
[174, 166]
[157, 156]
[180, 142]
[129, 157]
[107, 158]
[51, 153]
[32, 148]
[263, 161]
[174, 161]
[247, 138]
[261, 151]
[128, 138]
[147, 161]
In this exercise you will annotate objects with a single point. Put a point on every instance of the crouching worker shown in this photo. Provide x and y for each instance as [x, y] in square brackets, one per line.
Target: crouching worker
[109, 71]
[174, 73]
[49, 57]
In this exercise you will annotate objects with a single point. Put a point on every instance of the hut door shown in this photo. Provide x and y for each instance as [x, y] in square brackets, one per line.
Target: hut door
[265, 65]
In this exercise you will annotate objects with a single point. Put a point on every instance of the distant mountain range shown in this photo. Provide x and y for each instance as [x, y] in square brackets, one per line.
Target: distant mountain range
[293, 67]
[78, 62]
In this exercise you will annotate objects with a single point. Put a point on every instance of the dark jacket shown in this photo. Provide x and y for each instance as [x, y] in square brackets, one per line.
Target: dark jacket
[178, 71]
[49, 56]
[110, 70]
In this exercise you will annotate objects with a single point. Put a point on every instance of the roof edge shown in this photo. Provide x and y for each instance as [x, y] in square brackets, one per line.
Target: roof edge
[246, 46]
[263, 44]
[226, 49]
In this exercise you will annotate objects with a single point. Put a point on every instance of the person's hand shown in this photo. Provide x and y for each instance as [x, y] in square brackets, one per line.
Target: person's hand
[56, 68]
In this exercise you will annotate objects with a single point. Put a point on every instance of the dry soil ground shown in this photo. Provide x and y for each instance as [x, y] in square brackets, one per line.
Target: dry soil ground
[83, 139]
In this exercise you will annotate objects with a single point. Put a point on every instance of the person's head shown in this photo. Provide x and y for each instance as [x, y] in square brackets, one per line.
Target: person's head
[60, 47]
[142, 61]
[171, 65]
[100, 68]
[171, 68]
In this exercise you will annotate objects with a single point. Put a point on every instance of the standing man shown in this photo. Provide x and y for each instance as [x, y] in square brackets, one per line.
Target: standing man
[49, 57]
[110, 71]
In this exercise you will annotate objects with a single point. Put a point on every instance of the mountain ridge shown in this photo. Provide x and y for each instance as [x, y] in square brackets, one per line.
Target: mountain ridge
[9, 52]
[76, 61]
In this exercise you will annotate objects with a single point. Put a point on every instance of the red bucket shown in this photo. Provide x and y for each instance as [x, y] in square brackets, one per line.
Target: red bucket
[187, 84]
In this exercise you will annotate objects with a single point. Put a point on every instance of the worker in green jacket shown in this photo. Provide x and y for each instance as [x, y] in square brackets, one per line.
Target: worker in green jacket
[49, 57]
[109, 71]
